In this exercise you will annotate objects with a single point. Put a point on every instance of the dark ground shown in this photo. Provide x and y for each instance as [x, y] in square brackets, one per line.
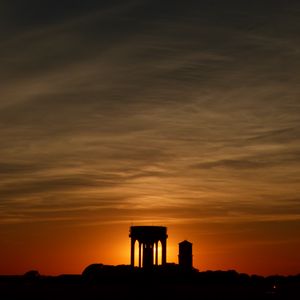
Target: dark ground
[123, 283]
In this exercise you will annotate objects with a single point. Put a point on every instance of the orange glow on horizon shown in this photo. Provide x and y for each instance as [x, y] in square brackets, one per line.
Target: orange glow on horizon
[50, 253]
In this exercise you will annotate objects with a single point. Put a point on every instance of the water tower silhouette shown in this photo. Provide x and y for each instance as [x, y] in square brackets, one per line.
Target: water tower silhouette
[148, 238]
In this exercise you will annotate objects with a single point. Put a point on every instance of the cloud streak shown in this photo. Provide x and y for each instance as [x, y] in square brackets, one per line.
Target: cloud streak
[178, 107]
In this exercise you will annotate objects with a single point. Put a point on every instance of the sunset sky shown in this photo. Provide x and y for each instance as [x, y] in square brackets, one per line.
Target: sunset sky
[178, 113]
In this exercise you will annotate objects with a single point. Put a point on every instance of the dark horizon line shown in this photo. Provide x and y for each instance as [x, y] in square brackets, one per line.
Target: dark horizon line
[128, 267]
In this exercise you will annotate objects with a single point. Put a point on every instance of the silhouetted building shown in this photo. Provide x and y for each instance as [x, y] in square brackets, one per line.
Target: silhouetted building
[148, 238]
[185, 256]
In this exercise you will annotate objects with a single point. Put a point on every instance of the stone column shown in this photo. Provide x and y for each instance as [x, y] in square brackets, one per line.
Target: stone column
[144, 261]
[164, 252]
[132, 252]
[140, 254]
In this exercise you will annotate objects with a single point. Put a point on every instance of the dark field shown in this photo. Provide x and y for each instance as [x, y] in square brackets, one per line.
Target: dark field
[123, 283]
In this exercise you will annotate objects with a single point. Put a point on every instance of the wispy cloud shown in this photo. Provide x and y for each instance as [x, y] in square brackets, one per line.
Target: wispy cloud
[188, 106]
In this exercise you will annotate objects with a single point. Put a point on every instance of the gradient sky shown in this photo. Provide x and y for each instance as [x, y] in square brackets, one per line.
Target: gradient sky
[149, 112]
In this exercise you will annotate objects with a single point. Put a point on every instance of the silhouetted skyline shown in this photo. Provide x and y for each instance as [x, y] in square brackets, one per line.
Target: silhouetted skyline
[119, 113]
